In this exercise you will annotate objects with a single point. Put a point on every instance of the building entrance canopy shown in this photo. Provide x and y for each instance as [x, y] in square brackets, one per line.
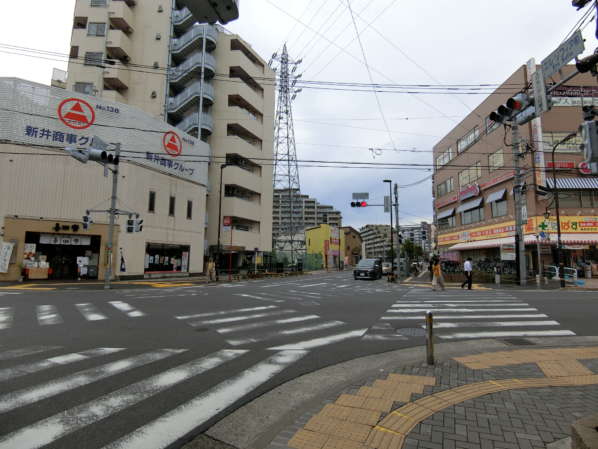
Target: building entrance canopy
[567, 239]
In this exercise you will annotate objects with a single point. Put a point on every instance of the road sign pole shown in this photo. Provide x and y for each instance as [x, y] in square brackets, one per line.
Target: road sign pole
[398, 232]
[110, 242]
[519, 205]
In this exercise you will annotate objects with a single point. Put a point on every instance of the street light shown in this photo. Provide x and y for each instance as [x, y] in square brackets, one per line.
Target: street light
[559, 245]
[218, 251]
[392, 246]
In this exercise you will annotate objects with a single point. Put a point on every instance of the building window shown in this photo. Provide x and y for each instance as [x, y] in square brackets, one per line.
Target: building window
[84, 88]
[491, 125]
[151, 207]
[444, 188]
[98, 3]
[96, 29]
[469, 175]
[578, 199]
[472, 216]
[74, 52]
[444, 158]
[171, 204]
[571, 146]
[499, 208]
[496, 160]
[189, 210]
[93, 58]
[468, 140]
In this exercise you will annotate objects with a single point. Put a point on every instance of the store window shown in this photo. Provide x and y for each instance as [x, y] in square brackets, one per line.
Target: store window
[499, 208]
[151, 206]
[496, 160]
[189, 210]
[171, 205]
[472, 216]
[161, 257]
[469, 175]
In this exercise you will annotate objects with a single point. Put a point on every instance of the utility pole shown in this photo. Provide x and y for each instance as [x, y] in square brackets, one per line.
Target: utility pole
[113, 212]
[520, 204]
[398, 232]
[392, 246]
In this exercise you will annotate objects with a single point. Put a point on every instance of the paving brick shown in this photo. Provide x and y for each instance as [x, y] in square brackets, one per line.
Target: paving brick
[341, 443]
[410, 379]
[305, 439]
[380, 439]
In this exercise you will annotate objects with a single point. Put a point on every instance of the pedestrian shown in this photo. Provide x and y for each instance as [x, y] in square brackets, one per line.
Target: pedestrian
[211, 270]
[437, 280]
[431, 268]
[468, 270]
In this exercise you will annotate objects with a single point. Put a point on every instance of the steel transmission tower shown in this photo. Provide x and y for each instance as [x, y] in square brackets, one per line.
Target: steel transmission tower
[286, 171]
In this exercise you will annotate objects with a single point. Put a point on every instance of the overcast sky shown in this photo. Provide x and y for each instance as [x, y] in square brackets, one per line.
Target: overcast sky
[409, 42]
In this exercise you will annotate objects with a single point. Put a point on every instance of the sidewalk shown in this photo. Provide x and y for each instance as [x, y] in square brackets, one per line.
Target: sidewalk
[492, 395]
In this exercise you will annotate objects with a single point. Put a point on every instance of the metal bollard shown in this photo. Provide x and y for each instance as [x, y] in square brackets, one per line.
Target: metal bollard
[430, 338]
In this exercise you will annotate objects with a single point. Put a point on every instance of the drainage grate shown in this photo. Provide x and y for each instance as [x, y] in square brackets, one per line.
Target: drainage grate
[412, 332]
[518, 341]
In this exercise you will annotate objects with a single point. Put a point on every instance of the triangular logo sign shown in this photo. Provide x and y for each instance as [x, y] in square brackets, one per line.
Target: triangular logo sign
[76, 114]
[173, 144]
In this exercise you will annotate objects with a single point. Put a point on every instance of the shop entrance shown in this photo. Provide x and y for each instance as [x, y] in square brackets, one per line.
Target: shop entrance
[165, 258]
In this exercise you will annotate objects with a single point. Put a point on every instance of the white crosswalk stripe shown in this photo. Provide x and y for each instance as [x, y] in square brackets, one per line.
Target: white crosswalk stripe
[90, 312]
[464, 315]
[127, 309]
[24, 352]
[6, 314]
[47, 315]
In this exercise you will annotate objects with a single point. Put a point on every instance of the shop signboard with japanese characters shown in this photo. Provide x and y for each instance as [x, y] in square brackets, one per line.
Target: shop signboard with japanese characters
[43, 116]
[5, 253]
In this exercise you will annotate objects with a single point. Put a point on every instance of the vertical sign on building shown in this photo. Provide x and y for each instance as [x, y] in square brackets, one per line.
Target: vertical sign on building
[538, 140]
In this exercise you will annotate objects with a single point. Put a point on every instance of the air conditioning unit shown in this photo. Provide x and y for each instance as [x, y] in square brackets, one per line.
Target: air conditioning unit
[212, 11]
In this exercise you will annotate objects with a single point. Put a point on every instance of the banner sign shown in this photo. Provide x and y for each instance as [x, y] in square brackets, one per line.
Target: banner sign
[64, 239]
[36, 114]
[5, 253]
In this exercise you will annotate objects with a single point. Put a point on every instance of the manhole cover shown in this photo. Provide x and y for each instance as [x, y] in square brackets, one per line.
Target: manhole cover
[518, 341]
[412, 332]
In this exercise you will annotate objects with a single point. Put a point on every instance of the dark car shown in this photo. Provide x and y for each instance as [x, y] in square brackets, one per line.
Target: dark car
[368, 269]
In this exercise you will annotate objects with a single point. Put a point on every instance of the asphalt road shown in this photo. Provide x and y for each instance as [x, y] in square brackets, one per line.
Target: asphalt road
[152, 367]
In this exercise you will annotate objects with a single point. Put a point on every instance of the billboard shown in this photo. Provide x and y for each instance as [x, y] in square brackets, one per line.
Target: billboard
[44, 116]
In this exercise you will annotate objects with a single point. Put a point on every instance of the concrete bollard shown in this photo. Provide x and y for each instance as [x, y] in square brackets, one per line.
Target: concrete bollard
[430, 338]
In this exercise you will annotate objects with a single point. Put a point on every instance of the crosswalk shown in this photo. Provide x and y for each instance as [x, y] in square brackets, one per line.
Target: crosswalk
[271, 323]
[49, 314]
[108, 394]
[463, 314]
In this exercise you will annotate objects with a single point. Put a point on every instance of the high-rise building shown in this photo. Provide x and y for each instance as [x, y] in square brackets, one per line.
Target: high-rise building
[419, 234]
[307, 212]
[202, 79]
[376, 241]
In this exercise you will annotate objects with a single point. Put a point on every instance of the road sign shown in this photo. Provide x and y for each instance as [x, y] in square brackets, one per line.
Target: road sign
[361, 196]
[563, 54]
[387, 203]
[540, 99]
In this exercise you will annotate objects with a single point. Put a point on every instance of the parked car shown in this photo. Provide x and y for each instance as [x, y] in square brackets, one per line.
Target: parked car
[386, 267]
[368, 269]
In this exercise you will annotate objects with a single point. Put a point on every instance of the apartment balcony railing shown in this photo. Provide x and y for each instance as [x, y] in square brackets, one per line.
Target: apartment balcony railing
[191, 122]
[182, 18]
[191, 68]
[192, 40]
[190, 96]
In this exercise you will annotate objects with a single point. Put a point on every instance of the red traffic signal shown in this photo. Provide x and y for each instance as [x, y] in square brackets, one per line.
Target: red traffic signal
[359, 204]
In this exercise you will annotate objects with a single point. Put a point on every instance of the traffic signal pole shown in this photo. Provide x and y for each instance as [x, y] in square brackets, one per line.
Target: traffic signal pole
[398, 232]
[113, 212]
[519, 204]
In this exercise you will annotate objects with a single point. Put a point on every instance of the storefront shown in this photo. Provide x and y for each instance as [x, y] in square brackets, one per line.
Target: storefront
[161, 258]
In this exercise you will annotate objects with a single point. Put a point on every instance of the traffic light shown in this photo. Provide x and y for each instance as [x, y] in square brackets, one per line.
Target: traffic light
[138, 224]
[589, 133]
[96, 152]
[130, 225]
[579, 3]
[510, 110]
[359, 204]
[86, 221]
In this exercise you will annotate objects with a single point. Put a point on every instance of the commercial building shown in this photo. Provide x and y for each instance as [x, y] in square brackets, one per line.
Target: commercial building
[353, 245]
[327, 241]
[205, 81]
[376, 241]
[420, 234]
[473, 180]
[46, 192]
[307, 212]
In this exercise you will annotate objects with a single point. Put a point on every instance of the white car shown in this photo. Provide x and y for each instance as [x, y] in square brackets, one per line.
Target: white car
[386, 267]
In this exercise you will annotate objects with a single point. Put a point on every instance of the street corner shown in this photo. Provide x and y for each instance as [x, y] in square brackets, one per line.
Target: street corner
[520, 398]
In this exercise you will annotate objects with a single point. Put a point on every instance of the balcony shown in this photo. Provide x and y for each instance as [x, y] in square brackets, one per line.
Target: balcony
[237, 207]
[182, 19]
[190, 97]
[120, 16]
[116, 78]
[238, 60]
[243, 178]
[191, 69]
[118, 45]
[192, 40]
[190, 123]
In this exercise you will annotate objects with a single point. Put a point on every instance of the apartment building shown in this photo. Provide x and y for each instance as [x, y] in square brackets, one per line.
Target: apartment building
[473, 180]
[307, 212]
[201, 79]
[376, 240]
[353, 245]
[420, 234]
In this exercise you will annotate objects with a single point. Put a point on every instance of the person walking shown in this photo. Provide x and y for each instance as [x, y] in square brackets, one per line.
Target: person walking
[437, 280]
[431, 269]
[468, 270]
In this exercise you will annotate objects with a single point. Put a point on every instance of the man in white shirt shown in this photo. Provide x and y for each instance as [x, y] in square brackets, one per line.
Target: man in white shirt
[468, 270]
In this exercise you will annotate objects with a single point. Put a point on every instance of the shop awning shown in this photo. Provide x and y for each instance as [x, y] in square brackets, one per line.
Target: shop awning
[573, 183]
[567, 239]
[470, 205]
[496, 196]
[446, 213]
[480, 244]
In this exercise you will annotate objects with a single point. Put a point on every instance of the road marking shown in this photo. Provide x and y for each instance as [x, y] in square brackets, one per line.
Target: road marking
[312, 285]
[16, 399]
[466, 317]
[47, 315]
[495, 324]
[250, 326]
[128, 309]
[450, 304]
[169, 427]
[6, 314]
[317, 342]
[50, 429]
[343, 286]
[500, 334]
[90, 312]
[384, 337]
[30, 368]
[275, 334]
[261, 298]
[233, 319]
[224, 312]
[10, 293]
[23, 352]
[459, 301]
[519, 309]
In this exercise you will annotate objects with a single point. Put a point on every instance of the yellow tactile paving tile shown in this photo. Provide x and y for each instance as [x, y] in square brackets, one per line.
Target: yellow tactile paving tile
[350, 400]
[398, 394]
[342, 443]
[505, 358]
[368, 403]
[361, 416]
[305, 439]
[387, 384]
[381, 438]
[337, 428]
[434, 403]
[398, 423]
[411, 379]
[562, 368]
